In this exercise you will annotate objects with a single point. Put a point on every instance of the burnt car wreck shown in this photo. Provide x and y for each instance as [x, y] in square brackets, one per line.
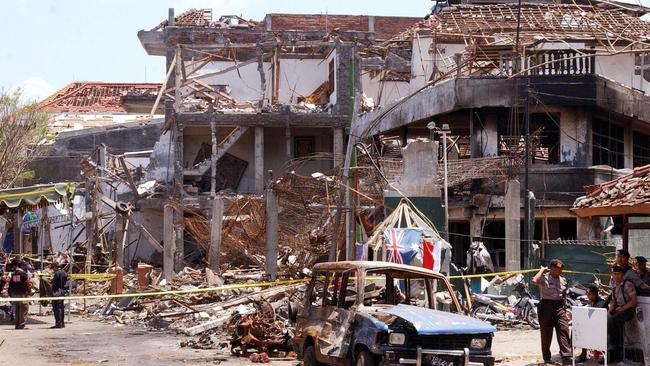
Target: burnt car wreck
[379, 313]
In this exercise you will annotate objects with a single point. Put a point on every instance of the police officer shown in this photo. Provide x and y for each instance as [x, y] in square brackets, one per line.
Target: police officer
[642, 269]
[59, 282]
[552, 310]
[623, 261]
[622, 308]
[20, 286]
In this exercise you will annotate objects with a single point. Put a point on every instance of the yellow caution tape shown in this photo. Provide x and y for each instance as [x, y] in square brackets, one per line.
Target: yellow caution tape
[506, 273]
[159, 293]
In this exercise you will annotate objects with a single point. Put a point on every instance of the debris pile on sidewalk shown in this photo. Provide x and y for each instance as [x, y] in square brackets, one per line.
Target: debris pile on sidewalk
[247, 321]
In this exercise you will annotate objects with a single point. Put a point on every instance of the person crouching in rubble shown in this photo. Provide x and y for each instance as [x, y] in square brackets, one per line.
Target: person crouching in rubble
[59, 282]
[20, 286]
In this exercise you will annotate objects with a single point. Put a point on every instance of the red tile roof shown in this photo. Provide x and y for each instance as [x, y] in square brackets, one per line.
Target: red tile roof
[626, 191]
[95, 97]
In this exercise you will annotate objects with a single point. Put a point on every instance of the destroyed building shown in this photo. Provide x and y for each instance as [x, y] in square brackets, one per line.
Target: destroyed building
[578, 72]
[247, 101]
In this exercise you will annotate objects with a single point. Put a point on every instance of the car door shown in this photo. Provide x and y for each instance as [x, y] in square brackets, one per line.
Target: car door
[333, 344]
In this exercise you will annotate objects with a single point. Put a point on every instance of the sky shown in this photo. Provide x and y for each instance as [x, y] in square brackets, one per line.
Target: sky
[47, 44]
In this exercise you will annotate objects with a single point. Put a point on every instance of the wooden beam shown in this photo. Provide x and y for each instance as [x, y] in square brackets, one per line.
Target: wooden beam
[129, 180]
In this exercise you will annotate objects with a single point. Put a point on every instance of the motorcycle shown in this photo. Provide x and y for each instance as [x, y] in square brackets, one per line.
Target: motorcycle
[508, 309]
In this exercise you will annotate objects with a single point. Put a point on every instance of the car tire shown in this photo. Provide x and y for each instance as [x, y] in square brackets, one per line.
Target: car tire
[309, 358]
[365, 358]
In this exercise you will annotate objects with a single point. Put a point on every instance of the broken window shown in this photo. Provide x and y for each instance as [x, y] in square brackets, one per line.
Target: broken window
[391, 287]
[544, 138]
[641, 149]
[304, 146]
[608, 144]
[642, 65]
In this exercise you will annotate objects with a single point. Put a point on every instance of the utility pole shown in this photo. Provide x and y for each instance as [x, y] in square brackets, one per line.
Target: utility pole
[445, 130]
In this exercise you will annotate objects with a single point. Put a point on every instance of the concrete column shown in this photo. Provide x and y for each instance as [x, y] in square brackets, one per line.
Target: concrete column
[338, 147]
[575, 137]
[271, 234]
[169, 243]
[259, 159]
[628, 161]
[216, 224]
[287, 138]
[513, 222]
[179, 246]
[475, 228]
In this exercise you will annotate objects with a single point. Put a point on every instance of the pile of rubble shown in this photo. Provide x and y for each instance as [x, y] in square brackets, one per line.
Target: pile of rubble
[248, 320]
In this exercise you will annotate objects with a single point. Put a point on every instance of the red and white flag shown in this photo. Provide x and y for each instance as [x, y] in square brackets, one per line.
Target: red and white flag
[431, 256]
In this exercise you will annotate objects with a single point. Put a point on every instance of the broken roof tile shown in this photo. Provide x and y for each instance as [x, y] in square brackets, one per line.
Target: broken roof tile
[628, 190]
[94, 97]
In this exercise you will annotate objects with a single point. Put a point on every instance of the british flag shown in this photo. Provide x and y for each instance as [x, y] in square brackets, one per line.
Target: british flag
[402, 245]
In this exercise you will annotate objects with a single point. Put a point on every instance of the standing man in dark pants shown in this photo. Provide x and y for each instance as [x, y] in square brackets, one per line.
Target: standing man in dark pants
[59, 282]
[552, 310]
[20, 286]
[622, 308]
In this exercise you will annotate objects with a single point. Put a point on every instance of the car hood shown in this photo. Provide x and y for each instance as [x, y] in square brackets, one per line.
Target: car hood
[429, 321]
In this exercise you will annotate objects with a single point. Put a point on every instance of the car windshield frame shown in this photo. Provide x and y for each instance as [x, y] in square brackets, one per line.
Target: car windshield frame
[389, 273]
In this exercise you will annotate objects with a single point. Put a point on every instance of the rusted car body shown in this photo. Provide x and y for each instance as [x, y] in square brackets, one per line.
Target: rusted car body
[379, 313]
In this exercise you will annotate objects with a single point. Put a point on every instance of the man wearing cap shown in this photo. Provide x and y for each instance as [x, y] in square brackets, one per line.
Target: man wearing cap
[621, 309]
[642, 269]
[623, 261]
[552, 310]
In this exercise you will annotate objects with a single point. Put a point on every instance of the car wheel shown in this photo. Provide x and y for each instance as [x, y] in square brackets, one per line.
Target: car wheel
[365, 358]
[309, 358]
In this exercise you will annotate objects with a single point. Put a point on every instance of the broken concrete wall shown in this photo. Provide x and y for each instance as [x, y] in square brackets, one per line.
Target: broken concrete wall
[244, 82]
[161, 165]
[138, 246]
[297, 78]
[301, 77]
[383, 92]
[62, 160]
[575, 135]
[620, 68]
[275, 150]
[428, 58]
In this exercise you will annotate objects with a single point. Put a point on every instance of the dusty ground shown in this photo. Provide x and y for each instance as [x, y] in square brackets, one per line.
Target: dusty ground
[88, 342]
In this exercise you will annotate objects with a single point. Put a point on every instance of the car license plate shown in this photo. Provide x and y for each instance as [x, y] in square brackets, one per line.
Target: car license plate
[434, 360]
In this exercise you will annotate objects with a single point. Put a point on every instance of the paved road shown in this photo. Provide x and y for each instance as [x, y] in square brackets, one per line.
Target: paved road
[88, 342]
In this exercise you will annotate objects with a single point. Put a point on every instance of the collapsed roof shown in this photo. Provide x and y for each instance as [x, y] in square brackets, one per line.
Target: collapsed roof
[383, 26]
[628, 194]
[497, 23]
[97, 97]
